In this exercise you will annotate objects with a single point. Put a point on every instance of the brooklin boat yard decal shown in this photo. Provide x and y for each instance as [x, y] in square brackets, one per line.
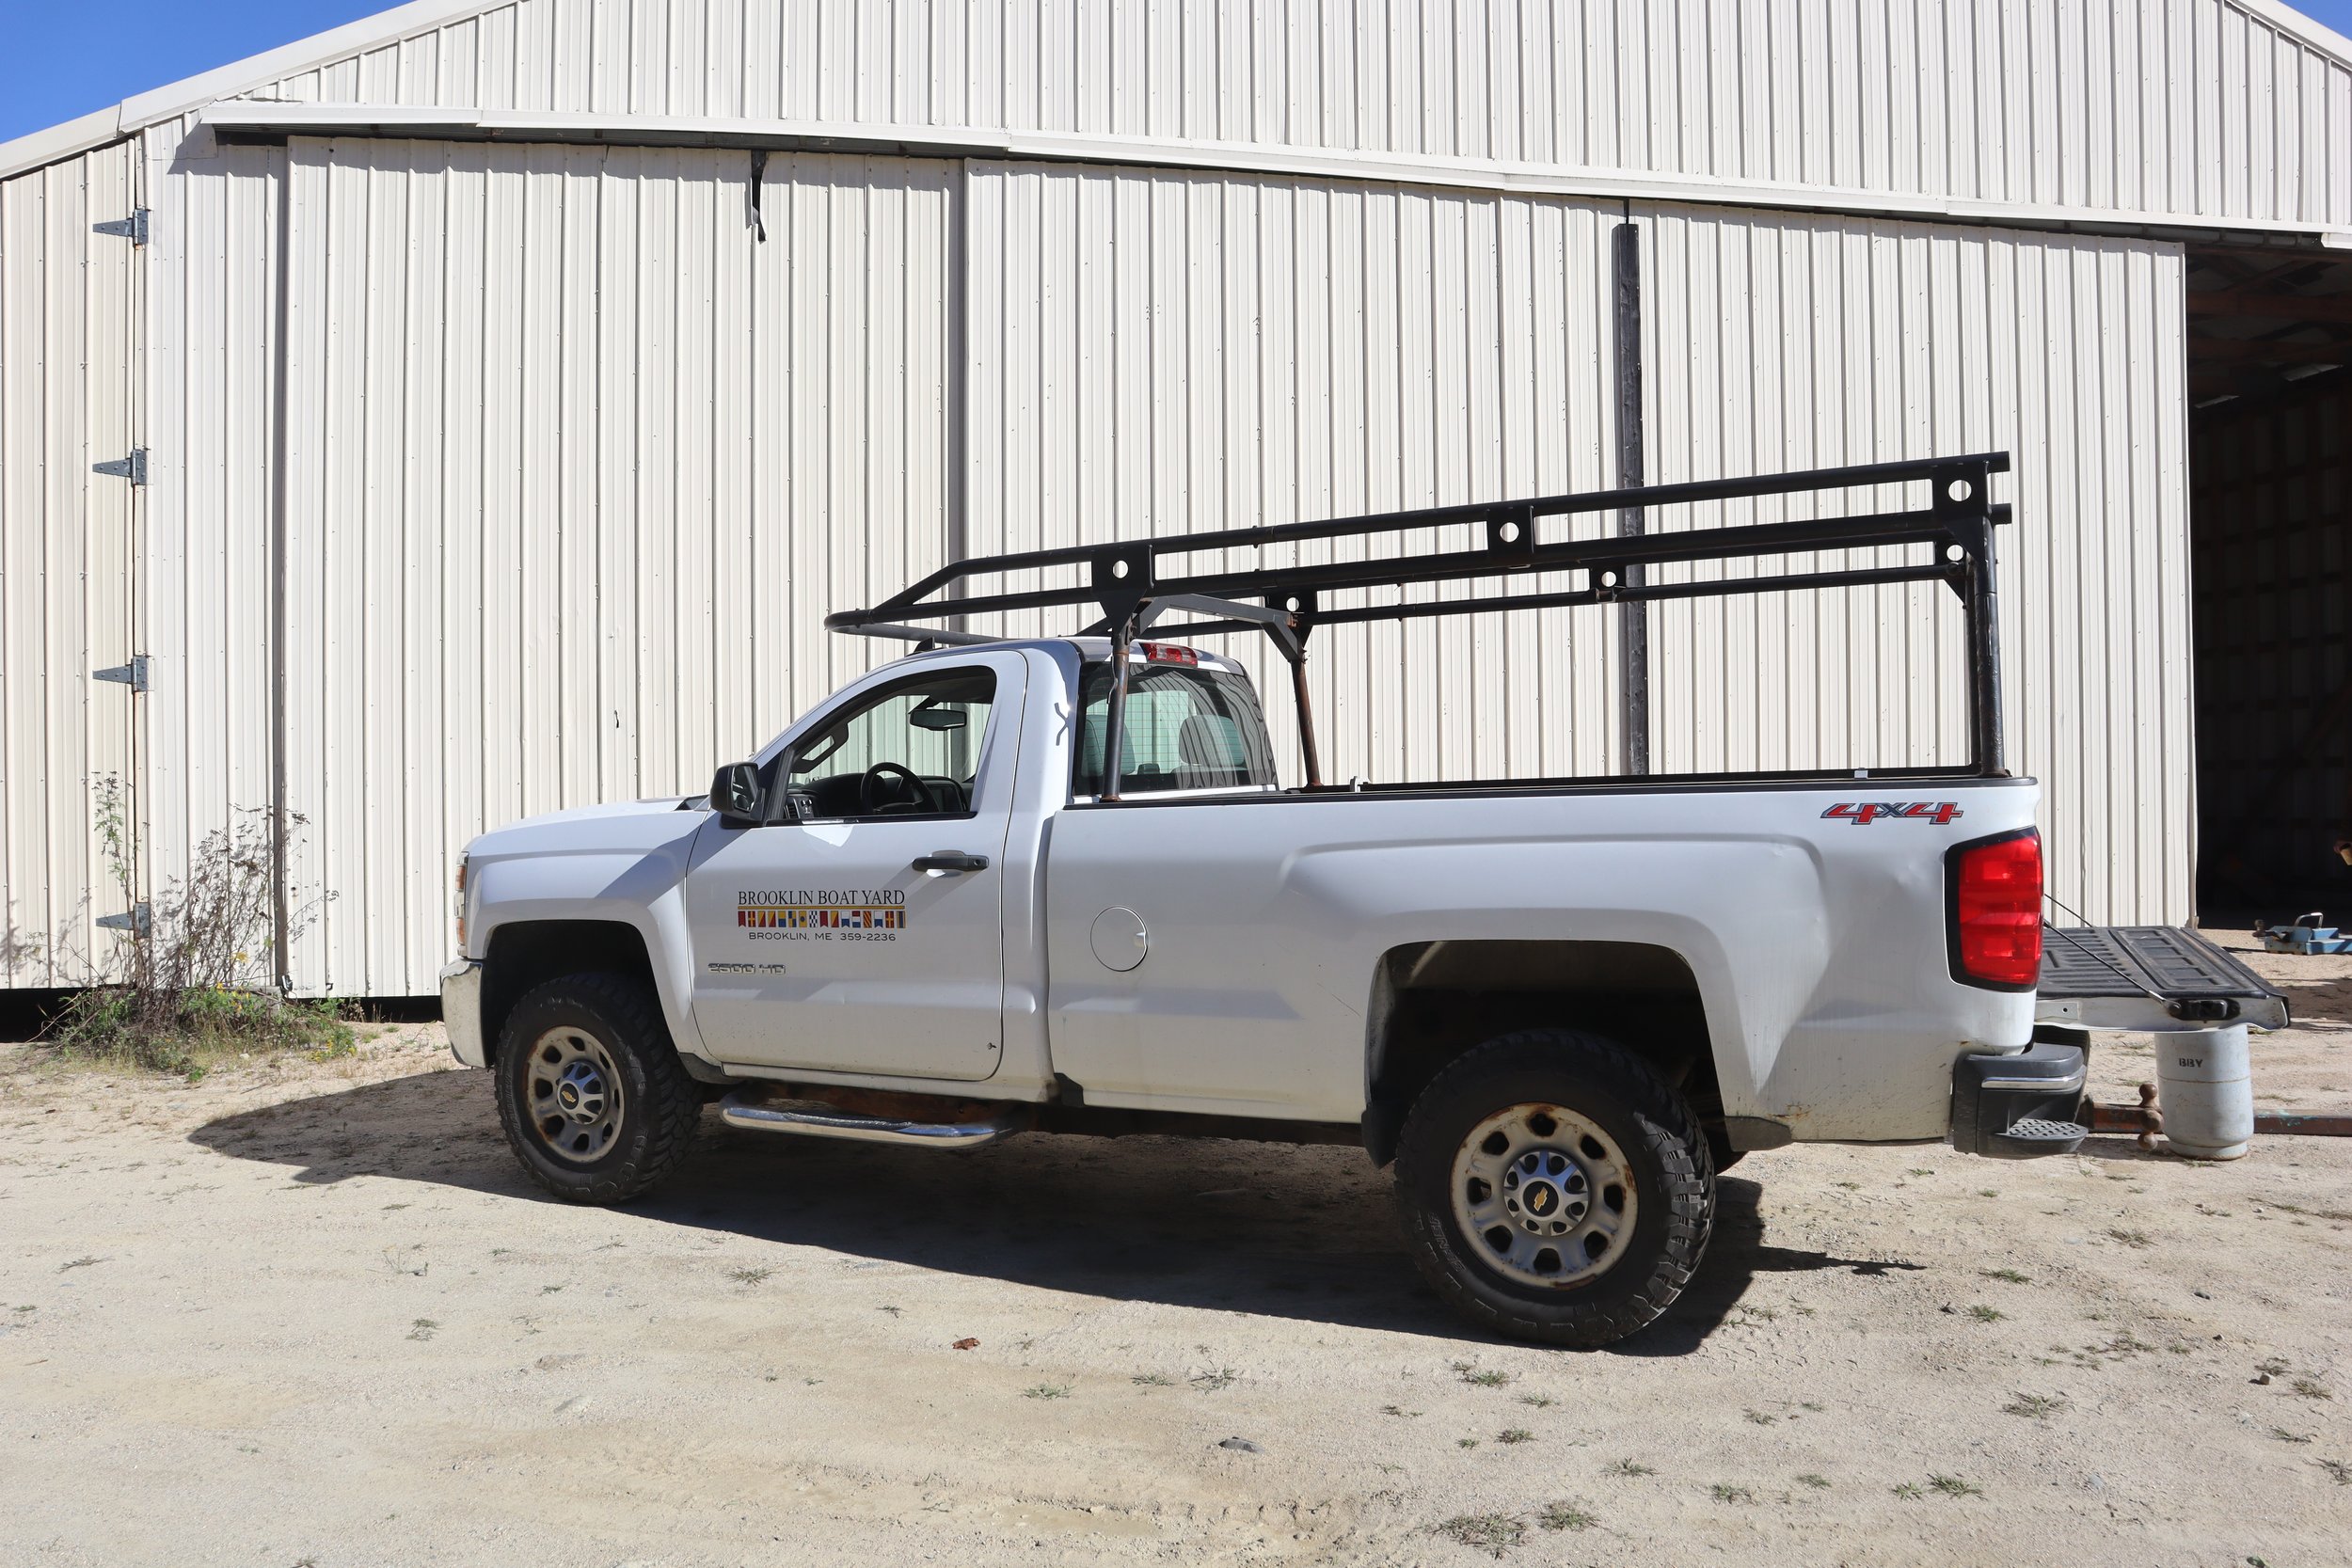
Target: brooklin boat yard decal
[823, 909]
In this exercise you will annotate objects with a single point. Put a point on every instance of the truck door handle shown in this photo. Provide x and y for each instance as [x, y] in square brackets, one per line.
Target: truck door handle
[950, 860]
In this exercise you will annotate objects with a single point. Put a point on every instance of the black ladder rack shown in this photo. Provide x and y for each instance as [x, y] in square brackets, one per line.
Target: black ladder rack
[1128, 584]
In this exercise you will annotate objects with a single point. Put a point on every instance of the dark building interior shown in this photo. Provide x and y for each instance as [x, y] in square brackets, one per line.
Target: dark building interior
[2270, 520]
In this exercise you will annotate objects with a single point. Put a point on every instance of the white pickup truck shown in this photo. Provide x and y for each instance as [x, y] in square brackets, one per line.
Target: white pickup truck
[922, 915]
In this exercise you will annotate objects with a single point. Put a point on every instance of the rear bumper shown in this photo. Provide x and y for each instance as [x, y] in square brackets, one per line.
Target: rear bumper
[2017, 1107]
[461, 1011]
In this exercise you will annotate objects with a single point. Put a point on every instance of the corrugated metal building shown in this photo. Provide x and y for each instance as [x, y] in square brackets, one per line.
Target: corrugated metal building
[513, 386]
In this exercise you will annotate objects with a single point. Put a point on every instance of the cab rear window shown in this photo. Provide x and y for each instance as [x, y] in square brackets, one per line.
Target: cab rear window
[1187, 728]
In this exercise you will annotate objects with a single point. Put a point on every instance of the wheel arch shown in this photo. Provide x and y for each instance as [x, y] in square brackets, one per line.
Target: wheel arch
[523, 954]
[1434, 1002]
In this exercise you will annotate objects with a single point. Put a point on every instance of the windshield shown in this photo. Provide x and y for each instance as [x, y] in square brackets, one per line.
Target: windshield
[1187, 728]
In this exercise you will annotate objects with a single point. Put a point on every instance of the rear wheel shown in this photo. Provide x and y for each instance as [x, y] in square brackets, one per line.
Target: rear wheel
[591, 1093]
[1555, 1187]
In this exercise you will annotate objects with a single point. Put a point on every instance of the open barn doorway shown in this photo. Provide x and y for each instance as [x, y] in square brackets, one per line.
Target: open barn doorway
[2270, 392]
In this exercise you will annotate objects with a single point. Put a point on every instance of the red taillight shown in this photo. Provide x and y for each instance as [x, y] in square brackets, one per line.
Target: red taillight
[1996, 912]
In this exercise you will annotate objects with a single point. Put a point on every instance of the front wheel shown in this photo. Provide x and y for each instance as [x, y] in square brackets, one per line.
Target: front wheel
[1555, 1187]
[591, 1093]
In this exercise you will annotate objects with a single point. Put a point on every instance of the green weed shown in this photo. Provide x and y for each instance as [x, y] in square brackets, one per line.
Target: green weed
[1487, 1532]
[1559, 1516]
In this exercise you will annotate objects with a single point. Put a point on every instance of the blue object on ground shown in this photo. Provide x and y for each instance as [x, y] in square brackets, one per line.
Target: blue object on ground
[2305, 935]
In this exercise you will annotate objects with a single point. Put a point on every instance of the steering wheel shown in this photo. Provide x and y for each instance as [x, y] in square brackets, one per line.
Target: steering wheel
[869, 791]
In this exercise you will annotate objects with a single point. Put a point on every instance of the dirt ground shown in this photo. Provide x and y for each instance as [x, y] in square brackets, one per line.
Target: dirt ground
[314, 1315]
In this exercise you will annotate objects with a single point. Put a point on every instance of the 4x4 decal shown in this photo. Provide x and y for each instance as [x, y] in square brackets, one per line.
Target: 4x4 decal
[1863, 813]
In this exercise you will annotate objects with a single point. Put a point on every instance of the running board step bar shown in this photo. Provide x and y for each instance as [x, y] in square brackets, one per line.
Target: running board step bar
[814, 1119]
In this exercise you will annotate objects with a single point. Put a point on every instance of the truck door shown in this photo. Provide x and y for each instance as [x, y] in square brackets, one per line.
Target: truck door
[863, 934]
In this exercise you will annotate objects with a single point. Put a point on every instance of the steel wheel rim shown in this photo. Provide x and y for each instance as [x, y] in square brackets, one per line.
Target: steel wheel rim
[1544, 1197]
[572, 1095]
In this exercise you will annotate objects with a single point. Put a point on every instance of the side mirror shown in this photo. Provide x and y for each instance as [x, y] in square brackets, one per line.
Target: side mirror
[735, 793]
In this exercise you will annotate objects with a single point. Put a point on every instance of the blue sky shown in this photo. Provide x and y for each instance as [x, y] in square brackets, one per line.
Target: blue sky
[65, 59]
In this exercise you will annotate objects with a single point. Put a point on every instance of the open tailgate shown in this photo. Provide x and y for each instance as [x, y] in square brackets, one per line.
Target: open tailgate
[2148, 977]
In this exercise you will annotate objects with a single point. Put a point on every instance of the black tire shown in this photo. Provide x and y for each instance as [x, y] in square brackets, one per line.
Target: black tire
[1657, 1138]
[654, 1125]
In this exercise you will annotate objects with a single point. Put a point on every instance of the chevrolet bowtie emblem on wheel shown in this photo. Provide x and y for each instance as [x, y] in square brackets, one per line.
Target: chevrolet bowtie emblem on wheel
[1542, 1200]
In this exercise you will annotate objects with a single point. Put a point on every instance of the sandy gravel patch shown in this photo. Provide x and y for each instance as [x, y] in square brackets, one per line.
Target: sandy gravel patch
[316, 1315]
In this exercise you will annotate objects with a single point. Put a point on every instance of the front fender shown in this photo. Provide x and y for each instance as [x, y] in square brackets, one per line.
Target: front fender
[633, 886]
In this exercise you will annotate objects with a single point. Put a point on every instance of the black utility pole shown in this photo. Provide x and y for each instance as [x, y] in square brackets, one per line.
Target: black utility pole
[1632, 614]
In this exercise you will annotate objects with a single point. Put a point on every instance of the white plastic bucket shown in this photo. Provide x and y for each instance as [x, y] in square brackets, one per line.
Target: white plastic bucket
[2205, 1087]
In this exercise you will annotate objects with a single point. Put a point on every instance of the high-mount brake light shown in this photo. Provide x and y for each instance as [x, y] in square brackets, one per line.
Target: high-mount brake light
[1995, 891]
[1168, 653]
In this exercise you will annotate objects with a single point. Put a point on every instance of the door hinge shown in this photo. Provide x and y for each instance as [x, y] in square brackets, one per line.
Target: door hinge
[133, 229]
[133, 467]
[133, 674]
[133, 920]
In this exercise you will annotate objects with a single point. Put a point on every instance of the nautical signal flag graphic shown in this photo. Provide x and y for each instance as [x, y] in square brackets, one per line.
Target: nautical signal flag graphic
[828, 918]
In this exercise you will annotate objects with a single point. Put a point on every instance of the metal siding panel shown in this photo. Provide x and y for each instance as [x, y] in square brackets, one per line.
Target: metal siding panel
[376, 771]
[506, 40]
[793, 398]
[534, 54]
[210, 492]
[457, 726]
[31, 358]
[1202, 351]
[424, 720]
[2339, 144]
[308, 306]
[508, 386]
[617, 404]
[538, 500]
[187, 609]
[1899, 330]
[525, 396]
[574, 531]
[69, 303]
[2176, 175]
[254, 177]
[2070, 103]
[118, 367]
[178, 499]
[666, 432]
[2252, 139]
[734, 529]
[39, 349]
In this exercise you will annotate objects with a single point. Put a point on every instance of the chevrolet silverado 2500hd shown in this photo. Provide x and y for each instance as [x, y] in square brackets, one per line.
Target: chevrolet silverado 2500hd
[1055, 884]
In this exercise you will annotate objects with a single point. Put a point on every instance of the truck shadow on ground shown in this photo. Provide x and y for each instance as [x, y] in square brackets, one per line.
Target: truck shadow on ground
[1305, 1234]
